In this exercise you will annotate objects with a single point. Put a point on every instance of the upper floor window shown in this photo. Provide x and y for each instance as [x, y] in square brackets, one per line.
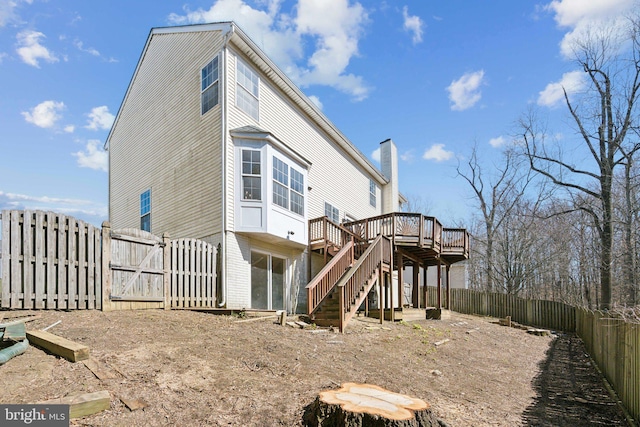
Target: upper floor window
[145, 211]
[332, 213]
[247, 97]
[251, 178]
[372, 193]
[209, 85]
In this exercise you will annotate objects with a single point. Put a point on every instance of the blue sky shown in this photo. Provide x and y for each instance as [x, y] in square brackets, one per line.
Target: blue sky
[436, 77]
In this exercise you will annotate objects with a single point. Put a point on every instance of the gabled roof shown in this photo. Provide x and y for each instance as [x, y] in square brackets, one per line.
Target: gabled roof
[232, 33]
[255, 133]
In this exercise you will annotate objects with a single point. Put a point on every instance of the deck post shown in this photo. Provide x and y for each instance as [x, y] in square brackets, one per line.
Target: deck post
[424, 286]
[439, 285]
[400, 284]
[448, 288]
[416, 285]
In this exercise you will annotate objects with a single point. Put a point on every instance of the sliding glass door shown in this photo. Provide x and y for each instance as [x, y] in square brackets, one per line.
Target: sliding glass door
[268, 281]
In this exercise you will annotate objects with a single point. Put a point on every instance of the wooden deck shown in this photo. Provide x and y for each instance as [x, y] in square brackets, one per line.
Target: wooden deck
[359, 254]
[420, 238]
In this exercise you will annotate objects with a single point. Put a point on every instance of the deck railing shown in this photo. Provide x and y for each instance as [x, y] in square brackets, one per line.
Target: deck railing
[350, 286]
[401, 228]
[321, 285]
[455, 241]
[323, 230]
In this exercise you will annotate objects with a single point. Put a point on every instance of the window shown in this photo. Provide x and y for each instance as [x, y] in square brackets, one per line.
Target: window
[251, 181]
[372, 193]
[247, 90]
[145, 211]
[332, 213]
[288, 187]
[280, 183]
[297, 192]
[209, 86]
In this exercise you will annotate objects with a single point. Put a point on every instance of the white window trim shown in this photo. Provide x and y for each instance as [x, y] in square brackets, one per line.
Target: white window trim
[247, 90]
[140, 209]
[216, 81]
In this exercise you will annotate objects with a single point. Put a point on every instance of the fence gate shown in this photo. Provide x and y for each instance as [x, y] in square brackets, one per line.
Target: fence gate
[137, 266]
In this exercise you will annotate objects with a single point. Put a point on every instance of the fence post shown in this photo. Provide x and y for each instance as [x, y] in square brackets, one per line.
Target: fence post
[166, 277]
[106, 270]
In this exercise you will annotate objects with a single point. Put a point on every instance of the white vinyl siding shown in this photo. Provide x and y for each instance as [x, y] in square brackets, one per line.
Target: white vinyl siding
[180, 158]
[333, 171]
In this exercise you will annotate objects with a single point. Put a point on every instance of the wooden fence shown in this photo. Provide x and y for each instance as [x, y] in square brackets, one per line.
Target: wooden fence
[615, 347]
[53, 261]
[50, 261]
[613, 343]
[545, 314]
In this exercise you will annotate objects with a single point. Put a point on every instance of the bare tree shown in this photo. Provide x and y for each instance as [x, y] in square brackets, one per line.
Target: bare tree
[605, 117]
[496, 194]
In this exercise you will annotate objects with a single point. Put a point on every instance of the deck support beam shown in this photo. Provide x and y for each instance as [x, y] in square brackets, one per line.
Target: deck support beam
[416, 285]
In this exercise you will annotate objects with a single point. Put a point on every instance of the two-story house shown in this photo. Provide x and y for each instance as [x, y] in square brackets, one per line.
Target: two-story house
[213, 141]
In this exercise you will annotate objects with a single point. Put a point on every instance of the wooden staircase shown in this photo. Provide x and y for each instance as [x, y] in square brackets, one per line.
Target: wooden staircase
[340, 288]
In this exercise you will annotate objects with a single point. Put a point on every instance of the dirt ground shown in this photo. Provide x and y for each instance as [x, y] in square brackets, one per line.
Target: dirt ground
[199, 369]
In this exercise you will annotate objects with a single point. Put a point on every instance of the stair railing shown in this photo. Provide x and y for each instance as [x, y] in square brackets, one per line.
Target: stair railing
[322, 285]
[351, 284]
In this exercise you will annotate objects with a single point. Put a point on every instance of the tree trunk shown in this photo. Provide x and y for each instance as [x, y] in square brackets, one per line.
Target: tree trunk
[357, 405]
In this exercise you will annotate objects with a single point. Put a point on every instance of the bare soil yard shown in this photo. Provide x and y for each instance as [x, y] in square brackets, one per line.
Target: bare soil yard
[199, 369]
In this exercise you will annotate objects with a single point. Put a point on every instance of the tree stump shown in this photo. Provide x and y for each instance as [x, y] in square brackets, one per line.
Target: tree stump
[366, 405]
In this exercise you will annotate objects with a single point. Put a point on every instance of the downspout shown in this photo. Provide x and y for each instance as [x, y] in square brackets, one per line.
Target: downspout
[223, 109]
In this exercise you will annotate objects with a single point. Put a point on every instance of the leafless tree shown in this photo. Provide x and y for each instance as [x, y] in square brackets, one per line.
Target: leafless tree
[496, 192]
[605, 117]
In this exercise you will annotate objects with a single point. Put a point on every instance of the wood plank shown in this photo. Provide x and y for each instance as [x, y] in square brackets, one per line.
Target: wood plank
[98, 369]
[72, 257]
[52, 222]
[82, 405]
[62, 256]
[5, 253]
[72, 351]
[40, 279]
[27, 260]
[82, 265]
[135, 239]
[134, 404]
[15, 332]
[91, 268]
[16, 251]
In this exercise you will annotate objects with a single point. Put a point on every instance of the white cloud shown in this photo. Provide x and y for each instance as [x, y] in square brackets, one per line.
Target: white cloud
[45, 114]
[332, 27]
[69, 128]
[94, 156]
[316, 101]
[91, 51]
[464, 93]
[553, 94]
[438, 153]
[83, 209]
[407, 156]
[7, 12]
[100, 118]
[375, 155]
[412, 24]
[2, 56]
[30, 49]
[584, 17]
[497, 142]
